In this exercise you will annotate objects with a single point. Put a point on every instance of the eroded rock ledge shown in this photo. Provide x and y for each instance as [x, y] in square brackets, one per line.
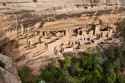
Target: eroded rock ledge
[8, 71]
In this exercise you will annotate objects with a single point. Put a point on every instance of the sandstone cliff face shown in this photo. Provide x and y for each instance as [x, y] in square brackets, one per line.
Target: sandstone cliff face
[57, 6]
[8, 72]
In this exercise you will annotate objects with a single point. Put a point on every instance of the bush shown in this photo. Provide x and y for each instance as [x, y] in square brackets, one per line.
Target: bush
[26, 75]
[89, 68]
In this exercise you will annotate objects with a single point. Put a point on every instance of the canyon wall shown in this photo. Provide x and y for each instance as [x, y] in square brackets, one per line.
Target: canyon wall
[8, 71]
[57, 6]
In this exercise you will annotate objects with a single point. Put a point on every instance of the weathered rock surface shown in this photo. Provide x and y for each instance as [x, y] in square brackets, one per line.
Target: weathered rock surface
[8, 72]
[58, 6]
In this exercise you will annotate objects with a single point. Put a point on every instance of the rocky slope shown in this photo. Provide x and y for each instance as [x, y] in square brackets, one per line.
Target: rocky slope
[8, 72]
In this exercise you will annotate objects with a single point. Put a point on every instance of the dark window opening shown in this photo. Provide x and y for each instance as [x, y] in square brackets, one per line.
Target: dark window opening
[88, 39]
[78, 5]
[86, 7]
[44, 34]
[2, 64]
[104, 29]
[75, 31]
[4, 4]
[80, 32]
[35, 1]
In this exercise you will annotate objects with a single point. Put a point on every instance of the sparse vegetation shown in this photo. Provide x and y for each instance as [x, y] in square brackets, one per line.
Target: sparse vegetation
[26, 75]
[87, 68]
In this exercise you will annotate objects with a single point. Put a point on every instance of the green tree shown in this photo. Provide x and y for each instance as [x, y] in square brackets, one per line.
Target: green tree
[88, 68]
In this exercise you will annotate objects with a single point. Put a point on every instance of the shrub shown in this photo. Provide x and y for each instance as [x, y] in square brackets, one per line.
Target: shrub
[88, 68]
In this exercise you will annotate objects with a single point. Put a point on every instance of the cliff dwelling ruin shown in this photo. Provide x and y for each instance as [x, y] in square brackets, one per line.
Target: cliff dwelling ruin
[34, 32]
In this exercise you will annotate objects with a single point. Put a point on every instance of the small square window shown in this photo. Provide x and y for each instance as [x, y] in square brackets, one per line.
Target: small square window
[86, 7]
[35, 1]
[4, 4]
